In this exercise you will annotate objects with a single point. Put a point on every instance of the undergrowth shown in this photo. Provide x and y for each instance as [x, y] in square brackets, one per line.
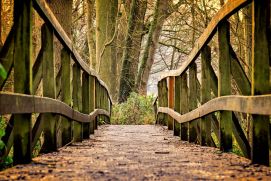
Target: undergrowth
[136, 110]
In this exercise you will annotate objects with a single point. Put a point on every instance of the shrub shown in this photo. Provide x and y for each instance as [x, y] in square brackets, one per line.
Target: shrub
[137, 109]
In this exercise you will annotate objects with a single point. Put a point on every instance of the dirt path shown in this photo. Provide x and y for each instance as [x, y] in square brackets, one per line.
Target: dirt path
[136, 153]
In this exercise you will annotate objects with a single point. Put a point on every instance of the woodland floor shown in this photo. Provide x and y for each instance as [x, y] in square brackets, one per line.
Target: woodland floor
[137, 153]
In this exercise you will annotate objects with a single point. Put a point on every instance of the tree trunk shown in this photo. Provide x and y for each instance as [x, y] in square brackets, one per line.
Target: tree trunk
[91, 32]
[132, 48]
[106, 14]
[160, 15]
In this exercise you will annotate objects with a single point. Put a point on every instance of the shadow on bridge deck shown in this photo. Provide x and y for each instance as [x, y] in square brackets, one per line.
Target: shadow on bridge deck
[136, 153]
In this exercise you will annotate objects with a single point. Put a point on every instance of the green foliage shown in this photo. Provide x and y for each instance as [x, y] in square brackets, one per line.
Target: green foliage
[3, 73]
[137, 109]
[7, 160]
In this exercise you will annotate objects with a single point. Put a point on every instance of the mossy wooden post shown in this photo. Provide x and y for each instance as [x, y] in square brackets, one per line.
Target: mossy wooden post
[76, 81]
[184, 106]
[170, 101]
[193, 101]
[49, 88]
[97, 101]
[22, 77]
[205, 122]
[85, 103]
[159, 116]
[224, 85]
[66, 96]
[163, 101]
[260, 80]
[177, 105]
[91, 101]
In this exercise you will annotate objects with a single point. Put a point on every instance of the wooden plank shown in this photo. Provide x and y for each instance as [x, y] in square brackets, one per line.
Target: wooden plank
[177, 105]
[260, 79]
[184, 106]
[228, 9]
[76, 84]
[97, 100]
[85, 103]
[8, 138]
[205, 122]
[239, 75]
[6, 56]
[34, 104]
[170, 100]
[193, 101]
[22, 78]
[37, 130]
[244, 104]
[240, 137]
[163, 101]
[91, 101]
[45, 12]
[37, 72]
[49, 88]
[66, 96]
[224, 85]
[58, 82]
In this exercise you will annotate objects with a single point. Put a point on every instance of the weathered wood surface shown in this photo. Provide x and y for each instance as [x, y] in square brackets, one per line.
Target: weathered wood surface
[45, 12]
[244, 104]
[137, 152]
[228, 9]
[20, 104]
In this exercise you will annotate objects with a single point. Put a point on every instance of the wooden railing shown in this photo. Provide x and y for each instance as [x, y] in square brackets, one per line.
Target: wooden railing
[75, 99]
[178, 98]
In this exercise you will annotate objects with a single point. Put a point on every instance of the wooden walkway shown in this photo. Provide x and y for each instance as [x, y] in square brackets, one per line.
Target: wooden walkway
[144, 152]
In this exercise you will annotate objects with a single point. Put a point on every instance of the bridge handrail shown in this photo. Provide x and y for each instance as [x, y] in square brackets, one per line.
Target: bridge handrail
[245, 104]
[37, 104]
[178, 100]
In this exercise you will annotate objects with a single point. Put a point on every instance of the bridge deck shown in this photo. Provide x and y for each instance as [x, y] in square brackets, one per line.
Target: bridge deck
[139, 153]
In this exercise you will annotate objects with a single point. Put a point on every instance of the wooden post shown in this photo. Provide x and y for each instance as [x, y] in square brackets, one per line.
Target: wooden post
[224, 85]
[170, 100]
[184, 106]
[91, 101]
[163, 101]
[77, 127]
[193, 101]
[260, 80]
[22, 77]
[85, 103]
[49, 88]
[205, 122]
[177, 106]
[97, 101]
[159, 116]
[66, 124]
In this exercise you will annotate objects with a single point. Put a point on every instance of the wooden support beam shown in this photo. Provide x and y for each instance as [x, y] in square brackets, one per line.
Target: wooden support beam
[260, 79]
[205, 123]
[22, 78]
[224, 85]
[85, 103]
[49, 88]
[66, 96]
[177, 105]
[170, 100]
[92, 88]
[97, 101]
[76, 82]
[37, 71]
[184, 106]
[193, 101]
[6, 56]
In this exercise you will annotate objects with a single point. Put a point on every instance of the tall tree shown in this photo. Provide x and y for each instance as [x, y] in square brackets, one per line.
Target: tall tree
[163, 9]
[91, 32]
[132, 48]
[106, 15]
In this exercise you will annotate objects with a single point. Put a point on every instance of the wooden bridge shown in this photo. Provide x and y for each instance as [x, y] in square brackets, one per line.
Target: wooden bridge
[77, 100]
